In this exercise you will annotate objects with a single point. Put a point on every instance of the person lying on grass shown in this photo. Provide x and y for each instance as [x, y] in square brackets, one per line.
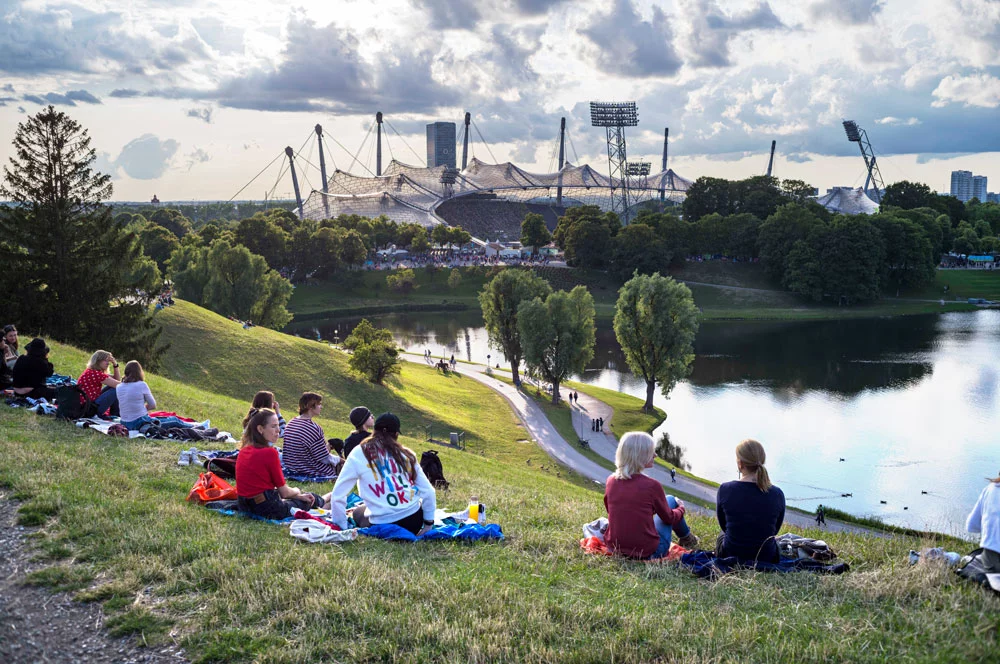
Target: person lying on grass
[750, 510]
[390, 482]
[135, 400]
[306, 451]
[641, 518]
[261, 489]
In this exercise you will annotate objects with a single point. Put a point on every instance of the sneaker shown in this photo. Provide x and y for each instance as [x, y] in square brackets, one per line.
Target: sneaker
[689, 541]
[184, 459]
[193, 455]
[203, 425]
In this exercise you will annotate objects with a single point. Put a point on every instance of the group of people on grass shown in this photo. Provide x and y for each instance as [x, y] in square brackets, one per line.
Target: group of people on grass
[390, 482]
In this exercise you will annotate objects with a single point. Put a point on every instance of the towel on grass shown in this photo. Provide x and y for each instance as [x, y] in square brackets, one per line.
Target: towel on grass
[705, 565]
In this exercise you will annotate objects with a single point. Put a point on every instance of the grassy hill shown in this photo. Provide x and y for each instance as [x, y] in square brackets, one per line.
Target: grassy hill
[116, 529]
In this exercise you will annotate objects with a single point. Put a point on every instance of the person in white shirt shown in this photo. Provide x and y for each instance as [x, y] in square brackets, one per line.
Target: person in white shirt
[390, 482]
[985, 520]
[135, 400]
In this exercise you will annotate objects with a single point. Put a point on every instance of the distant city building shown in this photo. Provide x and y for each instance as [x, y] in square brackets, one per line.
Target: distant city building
[992, 198]
[155, 201]
[961, 185]
[441, 144]
[979, 187]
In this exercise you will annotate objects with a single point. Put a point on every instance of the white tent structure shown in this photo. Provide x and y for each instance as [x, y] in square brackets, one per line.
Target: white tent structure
[848, 200]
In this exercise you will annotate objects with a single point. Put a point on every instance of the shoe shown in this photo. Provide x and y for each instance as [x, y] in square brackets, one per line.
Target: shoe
[184, 459]
[689, 541]
[193, 454]
[204, 425]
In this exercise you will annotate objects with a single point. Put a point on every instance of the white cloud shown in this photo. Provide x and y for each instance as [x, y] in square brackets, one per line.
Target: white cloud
[974, 90]
[893, 121]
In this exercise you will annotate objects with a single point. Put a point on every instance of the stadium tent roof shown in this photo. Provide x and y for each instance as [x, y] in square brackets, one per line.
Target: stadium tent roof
[848, 200]
[408, 193]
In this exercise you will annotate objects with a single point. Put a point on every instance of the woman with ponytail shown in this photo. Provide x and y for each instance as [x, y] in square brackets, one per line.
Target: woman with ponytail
[750, 510]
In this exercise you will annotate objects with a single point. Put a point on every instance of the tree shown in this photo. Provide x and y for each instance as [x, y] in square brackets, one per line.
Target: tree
[534, 234]
[264, 237]
[233, 282]
[638, 248]
[579, 214]
[558, 334]
[907, 195]
[402, 281]
[500, 299]
[454, 278]
[909, 256]
[655, 323]
[374, 352]
[779, 232]
[420, 244]
[172, 220]
[796, 191]
[586, 244]
[352, 248]
[458, 237]
[158, 243]
[707, 196]
[70, 270]
[852, 254]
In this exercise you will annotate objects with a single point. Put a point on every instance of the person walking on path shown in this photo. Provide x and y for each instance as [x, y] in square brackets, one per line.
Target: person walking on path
[820, 516]
[673, 475]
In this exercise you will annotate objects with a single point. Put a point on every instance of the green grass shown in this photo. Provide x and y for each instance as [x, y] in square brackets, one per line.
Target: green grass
[232, 590]
[964, 284]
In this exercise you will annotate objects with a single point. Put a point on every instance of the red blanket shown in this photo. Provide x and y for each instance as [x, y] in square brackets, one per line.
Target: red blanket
[596, 546]
[164, 413]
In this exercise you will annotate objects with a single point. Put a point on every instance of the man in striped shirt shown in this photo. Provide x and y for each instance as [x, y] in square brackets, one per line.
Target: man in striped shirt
[305, 450]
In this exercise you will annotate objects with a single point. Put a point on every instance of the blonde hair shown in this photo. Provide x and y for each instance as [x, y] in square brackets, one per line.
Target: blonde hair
[635, 450]
[98, 357]
[751, 455]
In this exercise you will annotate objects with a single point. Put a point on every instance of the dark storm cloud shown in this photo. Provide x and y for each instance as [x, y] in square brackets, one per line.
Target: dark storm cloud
[712, 29]
[627, 45]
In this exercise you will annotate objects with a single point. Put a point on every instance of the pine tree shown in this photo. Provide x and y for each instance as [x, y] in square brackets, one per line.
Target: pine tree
[71, 272]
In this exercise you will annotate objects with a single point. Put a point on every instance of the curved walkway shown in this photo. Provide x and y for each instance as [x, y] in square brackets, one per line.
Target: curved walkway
[549, 439]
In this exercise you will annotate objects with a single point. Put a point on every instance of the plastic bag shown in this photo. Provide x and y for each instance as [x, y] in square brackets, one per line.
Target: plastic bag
[210, 487]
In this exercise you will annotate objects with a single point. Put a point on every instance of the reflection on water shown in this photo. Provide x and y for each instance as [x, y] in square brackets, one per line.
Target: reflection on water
[910, 403]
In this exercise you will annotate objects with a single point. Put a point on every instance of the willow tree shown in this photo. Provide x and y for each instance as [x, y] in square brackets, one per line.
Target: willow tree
[558, 334]
[500, 299]
[655, 323]
[70, 269]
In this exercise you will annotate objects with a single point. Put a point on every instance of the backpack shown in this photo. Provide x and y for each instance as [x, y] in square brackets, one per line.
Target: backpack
[431, 465]
[222, 467]
[69, 406]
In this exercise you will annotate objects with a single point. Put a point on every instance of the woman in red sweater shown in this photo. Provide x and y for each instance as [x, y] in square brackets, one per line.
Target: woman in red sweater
[260, 486]
[641, 518]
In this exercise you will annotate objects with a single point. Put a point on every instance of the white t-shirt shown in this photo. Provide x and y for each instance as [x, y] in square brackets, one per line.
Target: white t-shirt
[985, 517]
[133, 399]
[384, 487]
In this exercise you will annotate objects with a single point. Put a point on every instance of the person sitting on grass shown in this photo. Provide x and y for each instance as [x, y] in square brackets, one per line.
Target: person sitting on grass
[750, 510]
[390, 482]
[265, 399]
[985, 520]
[98, 385]
[306, 451]
[362, 420]
[261, 489]
[135, 400]
[641, 518]
[31, 370]
[6, 373]
[10, 352]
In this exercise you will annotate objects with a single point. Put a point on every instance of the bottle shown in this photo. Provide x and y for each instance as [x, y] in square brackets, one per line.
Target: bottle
[474, 509]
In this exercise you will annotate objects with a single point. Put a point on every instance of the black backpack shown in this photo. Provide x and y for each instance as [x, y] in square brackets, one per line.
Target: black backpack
[431, 465]
[69, 405]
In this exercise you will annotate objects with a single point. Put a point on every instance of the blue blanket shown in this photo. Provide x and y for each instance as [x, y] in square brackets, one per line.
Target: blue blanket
[471, 532]
[294, 477]
[707, 566]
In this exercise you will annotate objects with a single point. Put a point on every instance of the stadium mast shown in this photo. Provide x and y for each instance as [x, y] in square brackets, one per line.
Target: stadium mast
[465, 141]
[295, 180]
[856, 134]
[562, 159]
[770, 162]
[666, 144]
[322, 169]
[378, 148]
[614, 117]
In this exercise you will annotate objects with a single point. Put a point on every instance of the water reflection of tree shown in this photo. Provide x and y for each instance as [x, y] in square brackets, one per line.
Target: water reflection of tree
[671, 453]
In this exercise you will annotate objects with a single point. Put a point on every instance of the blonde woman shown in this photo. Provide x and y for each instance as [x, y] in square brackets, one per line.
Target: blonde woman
[98, 385]
[750, 510]
[985, 520]
[641, 518]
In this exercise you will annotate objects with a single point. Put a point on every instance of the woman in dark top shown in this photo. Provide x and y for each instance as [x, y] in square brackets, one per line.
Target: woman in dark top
[750, 510]
[362, 420]
[31, 370]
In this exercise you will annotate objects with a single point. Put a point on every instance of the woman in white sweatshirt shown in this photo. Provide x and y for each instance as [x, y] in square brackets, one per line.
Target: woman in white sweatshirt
[390, 482]
[985, 520]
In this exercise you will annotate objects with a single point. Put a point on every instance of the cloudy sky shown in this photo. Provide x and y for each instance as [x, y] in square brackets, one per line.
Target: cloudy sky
[190, 100]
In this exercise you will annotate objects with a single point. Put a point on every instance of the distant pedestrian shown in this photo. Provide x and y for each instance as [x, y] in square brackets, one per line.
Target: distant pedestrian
[600, 424]
[820, 516]
[673, 475]
[593, 424]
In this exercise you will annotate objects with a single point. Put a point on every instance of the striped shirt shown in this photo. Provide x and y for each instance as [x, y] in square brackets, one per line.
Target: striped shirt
[305, 451]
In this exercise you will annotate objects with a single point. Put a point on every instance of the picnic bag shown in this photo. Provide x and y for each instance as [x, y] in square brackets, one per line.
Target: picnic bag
[69, 405]
[222, 467]
[209, 487]
[431, 465]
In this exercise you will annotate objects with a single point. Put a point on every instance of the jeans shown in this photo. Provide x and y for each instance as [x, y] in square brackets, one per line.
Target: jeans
[666, 532]
[274, 507]
[133, 425]
[107, 400]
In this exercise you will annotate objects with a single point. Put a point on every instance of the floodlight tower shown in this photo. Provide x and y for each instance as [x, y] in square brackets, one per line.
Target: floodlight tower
[615, 116]
[856, 134]
[465, 141]
[637, 172]
[562, 158]
[666, 144]
[322, 169]
[770, 161]
[378, 149]
[295, 180]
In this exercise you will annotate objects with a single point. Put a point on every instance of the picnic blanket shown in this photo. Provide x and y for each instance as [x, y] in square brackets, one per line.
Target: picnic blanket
[293, 477]
[597, 546]
[57, 380]
[705, 565]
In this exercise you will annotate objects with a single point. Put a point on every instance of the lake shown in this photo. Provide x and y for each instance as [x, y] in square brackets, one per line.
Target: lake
[884, 409]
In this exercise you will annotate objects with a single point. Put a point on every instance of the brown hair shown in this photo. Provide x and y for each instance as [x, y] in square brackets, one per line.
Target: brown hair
[386, 442]
[995, 480]
[133, 372]
[751, 455]
[262, 399]
[257, 417]
[308, 400]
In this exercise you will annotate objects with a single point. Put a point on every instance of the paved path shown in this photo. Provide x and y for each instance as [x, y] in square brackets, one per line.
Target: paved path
[605, 444]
